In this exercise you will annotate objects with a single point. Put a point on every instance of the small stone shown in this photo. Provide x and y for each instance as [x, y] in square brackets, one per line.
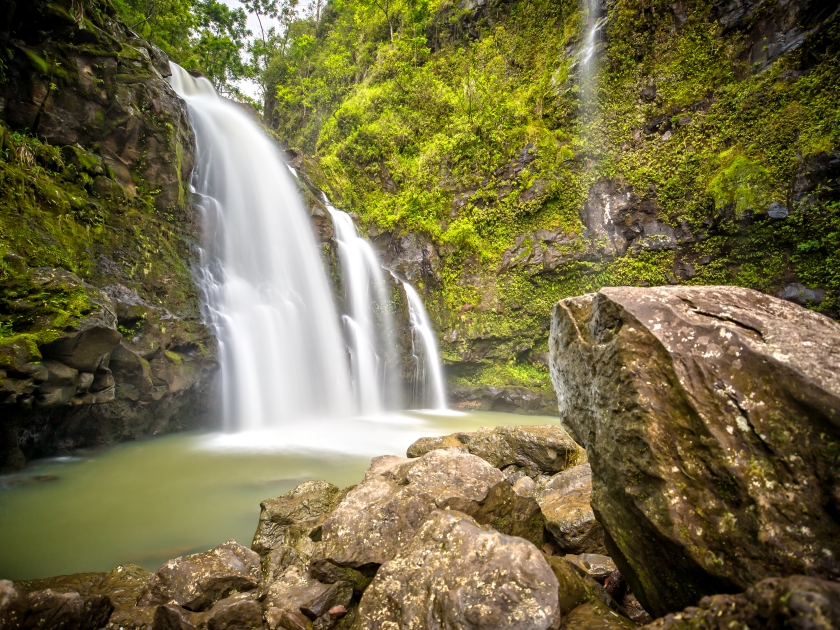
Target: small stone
[777, 211]
[338, 611]
[294, 621]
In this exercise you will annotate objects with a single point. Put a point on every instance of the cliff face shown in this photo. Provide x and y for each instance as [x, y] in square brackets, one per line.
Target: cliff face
[499, 170]
[100, 326]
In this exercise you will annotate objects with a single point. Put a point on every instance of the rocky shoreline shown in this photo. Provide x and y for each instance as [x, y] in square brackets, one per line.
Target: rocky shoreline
[700, 491]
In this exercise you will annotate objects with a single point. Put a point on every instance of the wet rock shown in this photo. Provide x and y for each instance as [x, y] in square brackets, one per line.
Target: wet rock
[296, 514]
[51, 610]
[583, 601]
[240, 611]
[617, 220]
[13, 606]
[328, 573]
[122, 585]
[336, 594]
[565, 502]
[383, 513]
[511, 512]
[285, 597]
[710, 417]
[447, 576]
[775, 603]
[573, 589]
[547, 449]
[413, 256]
[428, 444]
[817, 179]
[596, 566]
[615, 585]
[134, 618]
[594, 615]
[537, 449]
[196, 582]
[275, 563]
[634, 610]
[505, 399]
[800, 294]
[86, 349]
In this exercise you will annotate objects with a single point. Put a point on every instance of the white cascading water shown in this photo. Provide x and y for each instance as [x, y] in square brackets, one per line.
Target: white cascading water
[266, 293]
[372, 341]
[428, 373]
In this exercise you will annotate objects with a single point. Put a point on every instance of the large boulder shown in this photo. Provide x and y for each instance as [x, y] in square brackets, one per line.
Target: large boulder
[197, 581]
[457, 574]
[565, 502]
[384, 512]
[772, 604]
[544, 449]
[711, 418]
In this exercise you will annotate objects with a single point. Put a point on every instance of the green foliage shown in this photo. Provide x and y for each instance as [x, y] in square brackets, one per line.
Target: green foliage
[60, 209]
[203, 35]
[471, 130]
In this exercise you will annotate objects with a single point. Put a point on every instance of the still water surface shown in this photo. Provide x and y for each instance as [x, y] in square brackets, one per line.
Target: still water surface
[145, 502]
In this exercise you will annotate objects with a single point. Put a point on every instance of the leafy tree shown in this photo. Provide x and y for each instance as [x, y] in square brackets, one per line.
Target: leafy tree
[203, 35]
[221, 40]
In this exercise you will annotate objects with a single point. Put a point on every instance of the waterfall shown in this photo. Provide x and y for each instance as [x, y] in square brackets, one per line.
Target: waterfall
[428, 373]
[588, 54]
[266, 295]
[372, 341]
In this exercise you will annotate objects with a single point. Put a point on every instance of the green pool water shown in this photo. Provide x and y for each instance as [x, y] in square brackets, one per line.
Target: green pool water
[145, 502]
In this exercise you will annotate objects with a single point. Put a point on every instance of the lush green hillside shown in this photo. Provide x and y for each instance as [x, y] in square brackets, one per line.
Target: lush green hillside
[469, 129]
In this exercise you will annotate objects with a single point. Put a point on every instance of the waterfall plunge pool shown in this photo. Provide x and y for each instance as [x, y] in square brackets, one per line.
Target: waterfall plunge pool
[148, 501]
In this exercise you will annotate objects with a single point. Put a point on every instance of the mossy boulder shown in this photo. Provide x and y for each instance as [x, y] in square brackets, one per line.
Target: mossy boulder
[710, 416]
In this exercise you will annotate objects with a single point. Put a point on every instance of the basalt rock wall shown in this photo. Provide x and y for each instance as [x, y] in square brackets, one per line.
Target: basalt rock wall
[100, 326]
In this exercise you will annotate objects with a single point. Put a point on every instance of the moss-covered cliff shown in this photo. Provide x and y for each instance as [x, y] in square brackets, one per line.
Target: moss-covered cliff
[499, 172]
[100, 326]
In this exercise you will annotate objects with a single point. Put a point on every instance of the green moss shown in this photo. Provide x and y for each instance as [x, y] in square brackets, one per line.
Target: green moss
[504, 375]
[60, 209]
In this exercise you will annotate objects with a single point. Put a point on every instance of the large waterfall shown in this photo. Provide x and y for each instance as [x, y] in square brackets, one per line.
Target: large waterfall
[266, 292]
[267, 296]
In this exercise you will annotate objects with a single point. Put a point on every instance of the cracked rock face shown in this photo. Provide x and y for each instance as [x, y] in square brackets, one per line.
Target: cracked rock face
[457, 574]
[711, 417]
